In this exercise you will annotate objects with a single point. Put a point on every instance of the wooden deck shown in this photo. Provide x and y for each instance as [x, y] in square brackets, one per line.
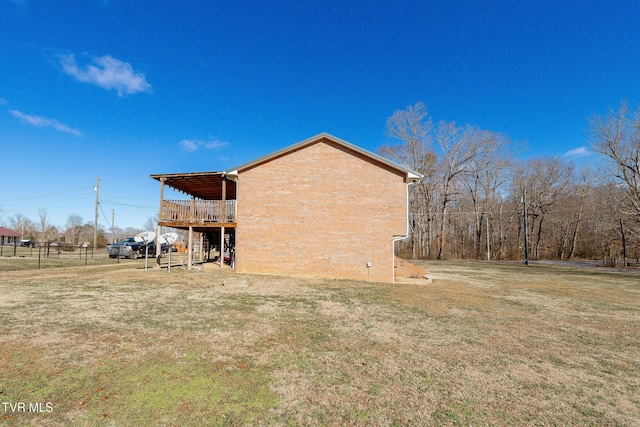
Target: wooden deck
[202, 213]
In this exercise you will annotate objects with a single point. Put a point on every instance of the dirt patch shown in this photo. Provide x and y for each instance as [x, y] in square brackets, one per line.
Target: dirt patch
[405, 269]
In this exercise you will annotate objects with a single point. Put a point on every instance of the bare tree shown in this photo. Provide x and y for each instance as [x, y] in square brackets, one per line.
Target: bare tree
[465, 152]
[116, 233]
[460, 147]
[617, 136]
[413, 127]
[47, 230]
[582, 189]
[483, 183]
[468, 205]
[151, 224]
[546, 181]
[131, 231]
[73, 228]
[21, 223]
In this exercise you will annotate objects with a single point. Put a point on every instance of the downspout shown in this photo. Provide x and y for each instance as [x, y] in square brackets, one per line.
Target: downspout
[412, 180]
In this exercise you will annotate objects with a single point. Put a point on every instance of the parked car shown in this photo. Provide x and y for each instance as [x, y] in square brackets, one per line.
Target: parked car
[129, 248]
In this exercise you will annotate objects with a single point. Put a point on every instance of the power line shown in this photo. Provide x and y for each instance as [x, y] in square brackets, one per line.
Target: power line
[102, 210]
[127, 198]
[148, 208]
[40, 202]
[46, 195]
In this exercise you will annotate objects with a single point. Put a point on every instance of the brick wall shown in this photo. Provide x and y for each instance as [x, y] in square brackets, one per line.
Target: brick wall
[322, 210]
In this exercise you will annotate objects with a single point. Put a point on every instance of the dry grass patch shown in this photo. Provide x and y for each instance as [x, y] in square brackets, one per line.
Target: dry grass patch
[29, 259]
[484, 345]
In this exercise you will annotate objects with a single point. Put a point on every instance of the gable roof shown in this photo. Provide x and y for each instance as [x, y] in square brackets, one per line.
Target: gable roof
[410, 173]
[208, 185]
[7, 232]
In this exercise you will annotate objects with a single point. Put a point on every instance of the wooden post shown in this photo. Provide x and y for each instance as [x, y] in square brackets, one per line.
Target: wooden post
[158, 245]
[221, 247]
[189, 247]
[223, 219]
[224, 201]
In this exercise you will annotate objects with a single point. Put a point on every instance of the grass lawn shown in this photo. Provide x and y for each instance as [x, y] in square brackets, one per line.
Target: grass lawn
[485, 344]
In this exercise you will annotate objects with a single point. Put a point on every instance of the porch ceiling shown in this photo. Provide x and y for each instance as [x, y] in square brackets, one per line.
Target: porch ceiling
[204, 185]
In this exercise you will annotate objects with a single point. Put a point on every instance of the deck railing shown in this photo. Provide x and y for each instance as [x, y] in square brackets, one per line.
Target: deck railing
[198, 211]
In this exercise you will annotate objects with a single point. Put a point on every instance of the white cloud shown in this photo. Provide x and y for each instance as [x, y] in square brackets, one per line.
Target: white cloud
[214, 144]
[196, 144]
[3, 101]
[578, 152]
[40, 121]
[108, 73]
[189, 145]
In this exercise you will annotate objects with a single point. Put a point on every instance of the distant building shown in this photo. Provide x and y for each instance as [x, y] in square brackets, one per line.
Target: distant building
[9, 237]
[322, 207]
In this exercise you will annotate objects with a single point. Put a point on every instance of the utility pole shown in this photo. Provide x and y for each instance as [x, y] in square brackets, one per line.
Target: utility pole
[95, 223]
[526, 232]
[113, 219]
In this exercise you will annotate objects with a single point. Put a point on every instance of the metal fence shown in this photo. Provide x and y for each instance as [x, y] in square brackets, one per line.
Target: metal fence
[66, 255]
[53, 253]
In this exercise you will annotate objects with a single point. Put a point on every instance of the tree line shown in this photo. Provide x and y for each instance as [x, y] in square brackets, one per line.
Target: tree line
[74, 232]
[479, 200]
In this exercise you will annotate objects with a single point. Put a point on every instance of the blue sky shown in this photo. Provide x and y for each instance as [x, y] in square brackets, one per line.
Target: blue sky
[121, 89]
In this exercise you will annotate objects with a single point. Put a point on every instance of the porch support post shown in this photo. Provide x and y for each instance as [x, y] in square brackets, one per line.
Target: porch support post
[223, 220]
[221, 247]
[201, 252]
[158, 246]
[224, 200]
[189, 247]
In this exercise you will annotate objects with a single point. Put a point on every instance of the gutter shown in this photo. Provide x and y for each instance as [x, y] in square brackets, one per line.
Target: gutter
[412, 178]
[232, 175]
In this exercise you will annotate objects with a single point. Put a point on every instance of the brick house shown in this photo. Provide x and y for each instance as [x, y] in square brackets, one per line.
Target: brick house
[322, 207]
